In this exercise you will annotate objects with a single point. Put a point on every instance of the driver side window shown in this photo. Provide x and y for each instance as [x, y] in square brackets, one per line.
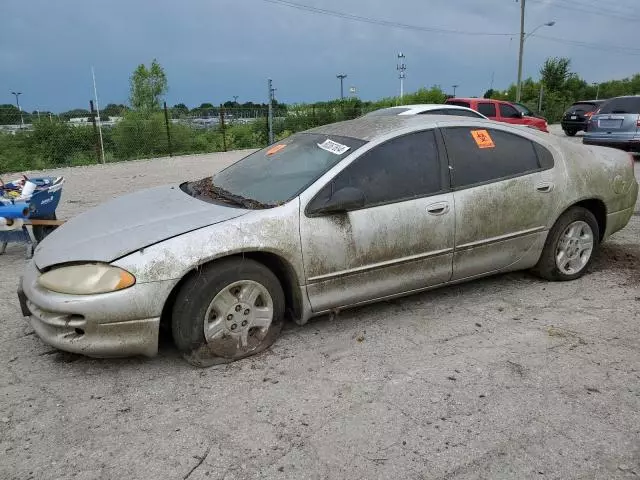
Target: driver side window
[401, 169]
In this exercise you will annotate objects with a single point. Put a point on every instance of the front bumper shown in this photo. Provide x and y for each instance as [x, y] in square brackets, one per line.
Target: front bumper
[118, 324]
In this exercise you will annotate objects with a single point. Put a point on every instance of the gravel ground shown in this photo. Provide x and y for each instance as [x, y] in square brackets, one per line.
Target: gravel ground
[508, 377]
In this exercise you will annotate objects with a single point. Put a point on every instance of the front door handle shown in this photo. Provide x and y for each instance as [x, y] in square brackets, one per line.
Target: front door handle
[544, 187]
[439, 208]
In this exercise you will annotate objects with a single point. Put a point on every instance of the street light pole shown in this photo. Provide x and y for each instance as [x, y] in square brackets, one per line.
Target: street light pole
[523, 37]
[17, 94]
[597, 85]
[454, 89]
[402, 68]
[341, 76]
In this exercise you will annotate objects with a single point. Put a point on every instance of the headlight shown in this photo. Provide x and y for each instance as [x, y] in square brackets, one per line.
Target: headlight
[86, 279]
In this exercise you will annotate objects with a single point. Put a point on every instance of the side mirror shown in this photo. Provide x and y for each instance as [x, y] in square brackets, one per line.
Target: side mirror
[345, 199]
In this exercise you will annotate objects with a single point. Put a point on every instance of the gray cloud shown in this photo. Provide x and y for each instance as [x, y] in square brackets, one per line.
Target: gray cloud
[213, 49]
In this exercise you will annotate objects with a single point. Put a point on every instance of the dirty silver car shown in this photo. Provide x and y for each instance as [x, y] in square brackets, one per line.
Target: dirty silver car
[331, 218]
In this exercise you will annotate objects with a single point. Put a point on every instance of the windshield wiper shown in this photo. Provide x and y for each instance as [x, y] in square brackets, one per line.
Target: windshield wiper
[206, 188]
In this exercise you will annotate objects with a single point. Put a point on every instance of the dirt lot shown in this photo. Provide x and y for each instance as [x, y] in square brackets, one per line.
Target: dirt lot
[504, 378]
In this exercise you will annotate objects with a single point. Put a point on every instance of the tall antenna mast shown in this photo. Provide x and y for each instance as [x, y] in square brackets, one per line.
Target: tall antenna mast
[402, 68]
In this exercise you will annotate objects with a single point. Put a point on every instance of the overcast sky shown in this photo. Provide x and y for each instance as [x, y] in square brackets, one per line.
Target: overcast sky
[214, 49]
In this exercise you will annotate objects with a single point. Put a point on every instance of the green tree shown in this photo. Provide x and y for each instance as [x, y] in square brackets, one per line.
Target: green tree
[147, 86]
[179, 110]
[113, 110]
[555, 73]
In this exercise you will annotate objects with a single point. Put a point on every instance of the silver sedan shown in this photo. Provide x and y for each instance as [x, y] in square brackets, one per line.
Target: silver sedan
[327, 219]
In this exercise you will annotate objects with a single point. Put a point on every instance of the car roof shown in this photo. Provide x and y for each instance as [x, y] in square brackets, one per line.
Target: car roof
[470, 99]
[588, 101]
[369, 128]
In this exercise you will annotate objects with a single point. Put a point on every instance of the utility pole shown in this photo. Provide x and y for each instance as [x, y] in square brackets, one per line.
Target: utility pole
[540, 98]
[17, 94]
[597, 85]
[402, 68]
[519, 84]
[454, 89]
[271, 91]
[341, 77]
[235, 98]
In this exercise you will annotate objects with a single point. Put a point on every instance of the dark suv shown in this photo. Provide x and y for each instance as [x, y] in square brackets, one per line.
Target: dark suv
[616, 124]
[577, 116]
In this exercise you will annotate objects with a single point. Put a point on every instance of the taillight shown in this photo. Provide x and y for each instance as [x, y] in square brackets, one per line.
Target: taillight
[638, 122]
[588, 114]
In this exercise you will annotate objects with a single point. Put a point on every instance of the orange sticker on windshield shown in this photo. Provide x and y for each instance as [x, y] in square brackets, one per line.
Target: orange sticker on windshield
[276, 149]
[483, 139]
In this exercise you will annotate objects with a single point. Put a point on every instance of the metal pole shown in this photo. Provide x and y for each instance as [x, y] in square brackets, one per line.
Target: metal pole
[540, 98]
[270, 84]
[166, 122]
[519, 84]
[402, 68]
[95, 94]
[17, 94]
[341, 76]
[95, 128]
[597, 91]
[454, 89]
[222, 128]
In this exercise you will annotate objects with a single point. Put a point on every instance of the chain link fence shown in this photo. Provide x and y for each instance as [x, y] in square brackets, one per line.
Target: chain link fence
[31, 142]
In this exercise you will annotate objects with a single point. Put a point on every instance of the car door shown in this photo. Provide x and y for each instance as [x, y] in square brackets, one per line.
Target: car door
[510, 114]
[400, 240]
[488, 109]
[504, 195]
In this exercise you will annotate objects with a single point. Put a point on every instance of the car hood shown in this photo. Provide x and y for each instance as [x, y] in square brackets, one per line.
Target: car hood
[128, 223]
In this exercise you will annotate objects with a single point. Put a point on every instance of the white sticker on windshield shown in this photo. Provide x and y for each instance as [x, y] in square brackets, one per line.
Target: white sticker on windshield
[333, 147]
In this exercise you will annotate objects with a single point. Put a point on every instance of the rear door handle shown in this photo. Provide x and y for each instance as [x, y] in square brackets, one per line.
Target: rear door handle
[544, 187]
[439, 208]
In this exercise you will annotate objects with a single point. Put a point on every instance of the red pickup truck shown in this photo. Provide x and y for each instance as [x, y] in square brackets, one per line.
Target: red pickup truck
[500, 111]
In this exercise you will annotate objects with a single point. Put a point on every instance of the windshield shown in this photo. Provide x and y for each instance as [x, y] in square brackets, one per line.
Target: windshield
[622, 105]
[522, 109]
[582, 107]
[277, 173]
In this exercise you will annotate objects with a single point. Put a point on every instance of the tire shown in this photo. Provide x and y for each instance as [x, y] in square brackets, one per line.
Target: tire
[220, 298]
[548, 266]
[40, 232]
[570, 132]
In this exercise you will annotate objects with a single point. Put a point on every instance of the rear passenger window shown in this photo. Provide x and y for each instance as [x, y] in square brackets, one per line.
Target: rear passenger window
[485, 155]
[545, 158]
[487, 109]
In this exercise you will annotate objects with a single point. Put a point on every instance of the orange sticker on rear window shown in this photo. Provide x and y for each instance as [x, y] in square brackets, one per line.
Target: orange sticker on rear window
[483, 139]
[275, 149]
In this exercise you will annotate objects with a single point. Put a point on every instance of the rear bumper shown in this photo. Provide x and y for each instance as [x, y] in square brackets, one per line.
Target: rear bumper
[629, 143]
[573, 125]
[618, 220]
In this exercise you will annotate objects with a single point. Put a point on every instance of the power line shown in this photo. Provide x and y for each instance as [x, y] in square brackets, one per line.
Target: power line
[607, 7]
[590, 11]
[384, 23]
[358, 18]
[596, 46]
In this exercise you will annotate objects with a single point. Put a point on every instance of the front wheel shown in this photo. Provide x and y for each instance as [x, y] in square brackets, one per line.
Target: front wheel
[226, 311]
[570, 245]
[570, 132]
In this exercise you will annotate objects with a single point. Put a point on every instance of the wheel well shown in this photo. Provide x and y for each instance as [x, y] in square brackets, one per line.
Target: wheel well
[599, 210]
[280, 267]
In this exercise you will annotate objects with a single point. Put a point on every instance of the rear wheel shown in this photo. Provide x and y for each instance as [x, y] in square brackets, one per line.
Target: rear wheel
[570, 132]
[229, 310]
[570, 245]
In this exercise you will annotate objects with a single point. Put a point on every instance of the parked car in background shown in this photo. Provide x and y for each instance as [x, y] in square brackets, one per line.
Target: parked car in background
[331, 218]
[616, 124]
[427, 109]
[577, 116]
[500, 111]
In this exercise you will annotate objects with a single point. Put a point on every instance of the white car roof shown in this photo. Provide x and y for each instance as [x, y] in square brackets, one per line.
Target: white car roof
[417, 109]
